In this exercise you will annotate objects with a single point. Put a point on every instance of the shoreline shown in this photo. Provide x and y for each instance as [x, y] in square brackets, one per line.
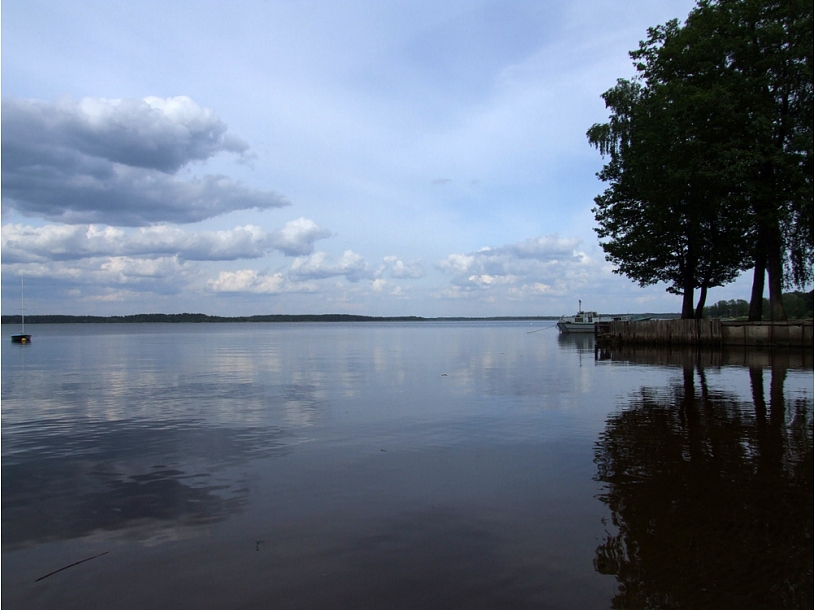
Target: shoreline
[197, 318]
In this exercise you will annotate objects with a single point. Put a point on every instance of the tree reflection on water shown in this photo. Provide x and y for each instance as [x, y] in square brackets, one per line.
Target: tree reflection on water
[711, 496]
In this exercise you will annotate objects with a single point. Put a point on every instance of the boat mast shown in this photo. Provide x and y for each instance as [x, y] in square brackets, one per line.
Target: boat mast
[22, 303]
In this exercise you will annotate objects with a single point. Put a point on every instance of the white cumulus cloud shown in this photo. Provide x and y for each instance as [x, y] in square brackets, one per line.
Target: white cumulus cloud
[253, 282]
[534, 266]
[399, 270]
[298, 236]
[22, 243]
[320, 266]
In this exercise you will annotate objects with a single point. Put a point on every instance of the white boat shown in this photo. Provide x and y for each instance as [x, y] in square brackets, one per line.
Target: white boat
[584, 321]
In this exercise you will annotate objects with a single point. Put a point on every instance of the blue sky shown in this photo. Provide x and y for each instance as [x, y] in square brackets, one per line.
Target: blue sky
[369, 157]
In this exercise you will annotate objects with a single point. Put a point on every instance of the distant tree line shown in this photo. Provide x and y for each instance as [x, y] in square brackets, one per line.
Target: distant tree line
[171, 318]
[200, 317]
[709, 153]
[798, 306]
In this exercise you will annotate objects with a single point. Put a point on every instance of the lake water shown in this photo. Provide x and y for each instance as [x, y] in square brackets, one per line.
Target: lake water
[416, 465]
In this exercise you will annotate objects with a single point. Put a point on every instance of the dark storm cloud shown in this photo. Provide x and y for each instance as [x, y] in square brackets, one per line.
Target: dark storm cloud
[152, 133]
[114, 162]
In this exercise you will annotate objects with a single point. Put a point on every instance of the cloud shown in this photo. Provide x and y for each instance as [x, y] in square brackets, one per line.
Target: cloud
[162, 275]
[124, 269]
[535, 266]
[399, 270]
[115, 162]
[545, 248]
[298, 236]
[320, 266]
[251, 281]
[73, 242]
[151, 133]
[380, 285]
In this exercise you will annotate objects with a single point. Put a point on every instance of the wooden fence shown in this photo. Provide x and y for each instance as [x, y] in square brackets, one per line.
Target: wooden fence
[798, 333]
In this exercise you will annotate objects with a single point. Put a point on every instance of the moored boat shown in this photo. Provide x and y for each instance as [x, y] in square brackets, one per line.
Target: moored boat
[585, 321]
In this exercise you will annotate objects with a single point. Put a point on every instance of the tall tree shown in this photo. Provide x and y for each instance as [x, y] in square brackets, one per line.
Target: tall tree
[711, 146]
[770, 44]
[666, 215]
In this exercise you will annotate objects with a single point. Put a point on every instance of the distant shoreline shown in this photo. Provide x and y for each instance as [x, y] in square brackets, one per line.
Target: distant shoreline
[197, 318]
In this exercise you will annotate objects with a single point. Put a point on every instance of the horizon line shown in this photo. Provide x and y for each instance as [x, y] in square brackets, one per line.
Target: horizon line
[188, 317]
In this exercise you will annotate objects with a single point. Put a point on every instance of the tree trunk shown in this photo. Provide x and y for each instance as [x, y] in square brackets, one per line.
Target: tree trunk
[701, 303]
[775, 293]
[688, 304]
[689, 265]
[758, 288]
[775, 276]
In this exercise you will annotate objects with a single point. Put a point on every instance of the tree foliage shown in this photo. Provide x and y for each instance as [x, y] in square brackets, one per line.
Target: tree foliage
[798, 306]
[710, 152]
[666, 215]
[770, 45]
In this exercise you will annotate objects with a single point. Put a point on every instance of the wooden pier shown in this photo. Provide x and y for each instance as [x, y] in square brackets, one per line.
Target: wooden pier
[711, 333]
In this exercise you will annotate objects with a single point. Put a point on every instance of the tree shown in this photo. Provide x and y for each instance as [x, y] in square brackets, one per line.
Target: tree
[711, 153]
[666, 214]
[735, 308]
[770, 45]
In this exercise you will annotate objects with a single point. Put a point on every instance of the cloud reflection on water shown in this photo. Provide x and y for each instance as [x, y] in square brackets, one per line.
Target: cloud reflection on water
[63, 483]
[435, 462]
[108, 430]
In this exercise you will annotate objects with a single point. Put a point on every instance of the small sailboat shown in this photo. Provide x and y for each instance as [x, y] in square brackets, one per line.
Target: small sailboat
[21, 337]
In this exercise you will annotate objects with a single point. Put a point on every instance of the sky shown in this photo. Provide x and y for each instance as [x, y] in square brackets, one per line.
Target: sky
[372, 157]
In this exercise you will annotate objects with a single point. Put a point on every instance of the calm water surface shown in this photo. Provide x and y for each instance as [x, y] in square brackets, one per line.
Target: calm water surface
[422, 465]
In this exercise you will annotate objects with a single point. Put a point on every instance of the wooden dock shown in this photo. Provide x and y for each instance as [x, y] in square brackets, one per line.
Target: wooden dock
[710, 333]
